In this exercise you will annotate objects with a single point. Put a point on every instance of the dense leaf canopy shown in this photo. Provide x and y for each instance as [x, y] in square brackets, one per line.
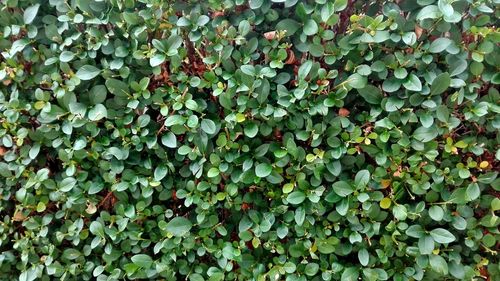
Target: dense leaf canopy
[249, 140]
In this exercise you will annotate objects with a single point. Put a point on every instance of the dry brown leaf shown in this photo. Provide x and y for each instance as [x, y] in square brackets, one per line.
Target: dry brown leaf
[91, 208]
[418, 31]
[18, 216]
[386, 183]
[290, 57]
[344, 112]
[270, 35]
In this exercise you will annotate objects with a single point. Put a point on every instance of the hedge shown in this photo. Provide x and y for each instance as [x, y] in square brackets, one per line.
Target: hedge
[249, 140]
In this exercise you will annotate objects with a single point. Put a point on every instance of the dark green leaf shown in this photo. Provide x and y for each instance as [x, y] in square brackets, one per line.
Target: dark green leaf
[296, 197]
[179, 226]
[263, 170]
[310, 27]
[291, 26]
[169, 140]
[87, 72]
[30, 13]
[426, 134]
[142, 260]
[208, 126]
[441, 235]
[342, 188]
[350, 274]
[440, 83]
[413, 83]
[371, 94]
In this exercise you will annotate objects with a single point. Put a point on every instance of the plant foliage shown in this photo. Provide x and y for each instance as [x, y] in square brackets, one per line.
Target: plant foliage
[249, 140]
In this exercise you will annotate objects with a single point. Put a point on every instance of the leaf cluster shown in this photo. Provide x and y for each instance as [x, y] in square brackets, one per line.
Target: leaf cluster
[249, 140]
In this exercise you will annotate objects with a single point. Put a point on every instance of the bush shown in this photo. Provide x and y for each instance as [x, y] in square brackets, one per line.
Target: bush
[249, 140]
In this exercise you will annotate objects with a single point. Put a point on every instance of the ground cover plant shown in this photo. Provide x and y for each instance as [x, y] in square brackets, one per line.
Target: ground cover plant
[249, 140]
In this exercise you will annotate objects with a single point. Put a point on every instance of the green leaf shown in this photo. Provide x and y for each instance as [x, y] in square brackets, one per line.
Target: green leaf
[160, 172]
[251, 129]
[248, 69]
[350, 274]
[121, 186]
[174, 120]
[300, 216]
[442, 113]
[371, 94]
[213, 172]
[98, 112]
[117, 87]
[357, 81]
[244, 27]
[400, 73]
[424, 134]
[30, 13]
[362, 178]
[439, 45]
[445, 8]
[393, 104]
[342, 188]
[399, 212]
[438, 264]
[473, 192]
[40, 207]
[442, 236]
[87, 72]
[71, 254]
[304, 70]
[440, 83]
[255, 4]
[196, 277]
[66, 56]
[98, 94]
[426, 119]
[363, 257]
[311, 269]
[296, 197]
[495, 204]
[142, 260]
[310, 27]
[409, 38]
[179, 226]
[436, 213]
[183, 22]
[34, 150]
[174, 42]
[429, 12]
[426, 245]
[391, 85]
[340, 5]
[263, 170]
[457, 66]
[169, 140]
[97, 228]
[327, 246]
[415, 231]
[413, 83]
[159, 45]
[67, 184]
[157, 59]
[208, 126]
[457, 270]
[495, 79]
[18, 46]
[291, 26]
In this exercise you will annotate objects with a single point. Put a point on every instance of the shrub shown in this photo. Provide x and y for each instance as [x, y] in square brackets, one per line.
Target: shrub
[249, 140]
